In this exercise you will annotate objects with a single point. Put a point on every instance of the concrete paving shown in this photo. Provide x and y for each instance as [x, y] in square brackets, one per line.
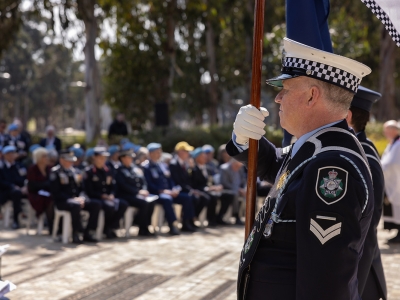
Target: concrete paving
[195, 266]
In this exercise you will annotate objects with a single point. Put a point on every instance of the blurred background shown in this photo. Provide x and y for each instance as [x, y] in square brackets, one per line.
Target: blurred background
[177, 69]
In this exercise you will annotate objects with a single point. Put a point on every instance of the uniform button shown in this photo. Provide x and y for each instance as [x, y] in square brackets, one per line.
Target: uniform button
[138, 185]
[137, 179]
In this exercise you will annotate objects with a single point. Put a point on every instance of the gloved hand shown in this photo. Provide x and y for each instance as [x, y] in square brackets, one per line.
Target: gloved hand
[249, 124]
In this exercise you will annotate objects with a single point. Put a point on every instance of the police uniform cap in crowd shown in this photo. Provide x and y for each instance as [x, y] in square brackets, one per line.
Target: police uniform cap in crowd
[100, 151]
[130, 146]
[113, 149]
[153, 146]
[364, 98]
[196, 152]
[68, 155]
[12, 127]
[33, 147]
[302, 60]
[89, 152]
[78, 151]
[128, 152]
[183, 146]
[8, 149]
[208, 149]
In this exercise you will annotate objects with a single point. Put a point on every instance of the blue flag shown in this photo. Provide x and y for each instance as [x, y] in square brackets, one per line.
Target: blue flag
[307, 23]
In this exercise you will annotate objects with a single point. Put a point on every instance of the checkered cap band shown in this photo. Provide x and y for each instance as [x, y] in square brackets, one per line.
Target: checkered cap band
[323, 72]
[384, 18]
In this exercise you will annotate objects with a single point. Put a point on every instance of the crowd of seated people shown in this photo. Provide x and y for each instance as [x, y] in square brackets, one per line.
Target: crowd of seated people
[111, 179]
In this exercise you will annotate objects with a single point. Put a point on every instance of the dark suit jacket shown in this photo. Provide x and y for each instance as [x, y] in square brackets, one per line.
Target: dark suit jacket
[180, 175]
[198, 181]
[57, 143]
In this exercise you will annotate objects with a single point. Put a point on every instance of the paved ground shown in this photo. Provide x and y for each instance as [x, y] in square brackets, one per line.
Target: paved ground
[198, 266]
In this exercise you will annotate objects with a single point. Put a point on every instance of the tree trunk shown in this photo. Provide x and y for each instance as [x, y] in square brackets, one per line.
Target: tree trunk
[92, 78]
[212, 68]
[387, 106]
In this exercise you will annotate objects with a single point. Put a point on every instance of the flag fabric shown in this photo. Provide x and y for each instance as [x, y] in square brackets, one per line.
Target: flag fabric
[388, 12]
[307, 23]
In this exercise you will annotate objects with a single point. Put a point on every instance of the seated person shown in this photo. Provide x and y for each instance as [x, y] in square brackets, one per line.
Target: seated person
[159, 183]
[12, 182]
[180, 175]
[99, 185]
[79, 153]
[39, 186]
[212, 164]
[131, 186]
[233, 179]
[67, 190]
[19, 141]
[202, 183]
[113, 162]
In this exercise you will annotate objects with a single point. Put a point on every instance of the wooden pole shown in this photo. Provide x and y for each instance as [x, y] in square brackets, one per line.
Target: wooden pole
[255, 101]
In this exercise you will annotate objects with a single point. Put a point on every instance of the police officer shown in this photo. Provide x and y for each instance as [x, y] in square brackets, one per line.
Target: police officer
[100, 185]
[79, 153]
[14, 138]
[308, 237]
[131, 186]
[161, 184]
[113, 162]
[12, 181]
[371, 278]
[67, 190]
[202, 181]
[180, 176]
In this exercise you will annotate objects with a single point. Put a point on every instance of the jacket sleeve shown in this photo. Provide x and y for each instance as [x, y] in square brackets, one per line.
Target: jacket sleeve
[225, 179]
[269, 159]
[123, 186]
[5, 185]
[334, 207]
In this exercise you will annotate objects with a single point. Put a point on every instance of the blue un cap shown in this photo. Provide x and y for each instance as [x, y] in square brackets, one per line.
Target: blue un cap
[78, 152]
[89, 152]
[196, 152]
[33, 147]
[208, 149]
[8, 149]
[131, 146]
[153, 146]
[113, 149]
[12, 127]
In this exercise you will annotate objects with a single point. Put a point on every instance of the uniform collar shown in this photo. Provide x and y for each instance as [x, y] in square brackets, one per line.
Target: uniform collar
[300, 142]
[361, 135]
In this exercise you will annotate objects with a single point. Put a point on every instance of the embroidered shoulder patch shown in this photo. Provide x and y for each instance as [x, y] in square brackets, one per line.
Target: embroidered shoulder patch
[325, 226]
[331, 185]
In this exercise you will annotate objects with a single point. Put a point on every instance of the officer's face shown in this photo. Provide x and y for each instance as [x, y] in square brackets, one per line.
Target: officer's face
[183, 154]
[201, 159]
[155, 155]
[99, 161]
[10, 157]
[66, 164]
[292, 99]
[127, 160]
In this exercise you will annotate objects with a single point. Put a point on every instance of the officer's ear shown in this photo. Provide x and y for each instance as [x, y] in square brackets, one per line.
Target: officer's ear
[314, 96]
[349, 117]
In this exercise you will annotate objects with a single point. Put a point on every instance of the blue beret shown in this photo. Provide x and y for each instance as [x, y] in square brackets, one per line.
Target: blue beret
[124, 141]
[78, 152]
[131, 146]
[364, 98]
[196, 152]
[113, 149]
[208, 149]
[89, 152]
[33, 147]
[153, 146]
[12, 127]
[8, 149]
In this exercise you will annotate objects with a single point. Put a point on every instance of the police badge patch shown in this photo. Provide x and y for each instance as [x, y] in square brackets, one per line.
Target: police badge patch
[331, 185]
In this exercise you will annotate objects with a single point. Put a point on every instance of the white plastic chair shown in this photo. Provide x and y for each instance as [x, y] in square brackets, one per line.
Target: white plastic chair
[157, 219]
[7, 212]
[66, 227]
[31, 216]
[128, 219]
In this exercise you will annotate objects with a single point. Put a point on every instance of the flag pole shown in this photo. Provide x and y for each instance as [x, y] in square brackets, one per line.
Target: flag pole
[255, 101]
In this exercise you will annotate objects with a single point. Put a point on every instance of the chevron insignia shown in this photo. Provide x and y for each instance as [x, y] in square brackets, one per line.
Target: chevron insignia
[324, 235]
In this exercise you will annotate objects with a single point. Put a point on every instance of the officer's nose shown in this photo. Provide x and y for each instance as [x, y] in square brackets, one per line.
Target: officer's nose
[278, 97]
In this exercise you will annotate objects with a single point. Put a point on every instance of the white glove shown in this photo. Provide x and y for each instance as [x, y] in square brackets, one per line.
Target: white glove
[249, 124]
